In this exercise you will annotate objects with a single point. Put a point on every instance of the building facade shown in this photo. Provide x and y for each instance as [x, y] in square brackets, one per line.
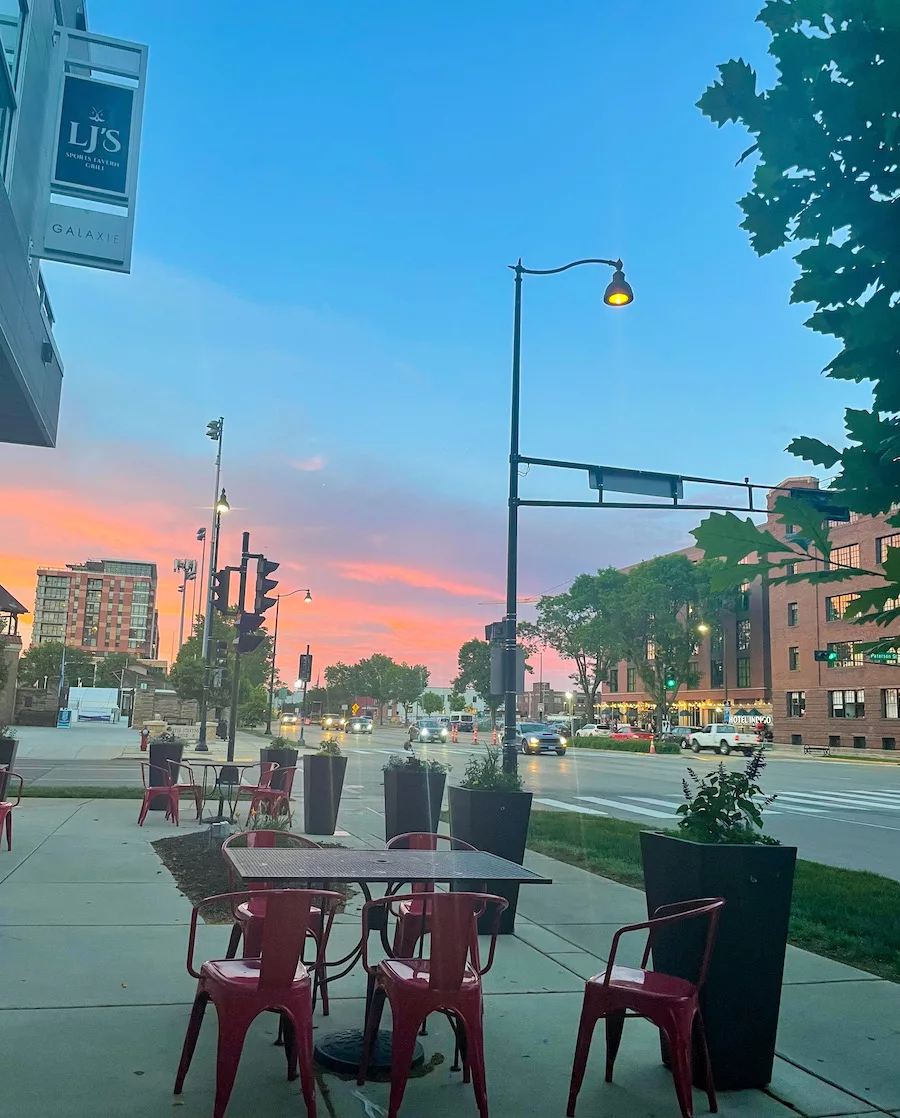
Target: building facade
[850, 703]
[101, 606]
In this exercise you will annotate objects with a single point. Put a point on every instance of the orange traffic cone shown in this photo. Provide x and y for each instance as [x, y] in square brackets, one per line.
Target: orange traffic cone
[475, 734]
[652, 748]
[494, 737]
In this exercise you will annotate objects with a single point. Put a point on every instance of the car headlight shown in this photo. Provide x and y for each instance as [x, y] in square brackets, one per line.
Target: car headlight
[443, 733]
[562, 741]
[534, 741]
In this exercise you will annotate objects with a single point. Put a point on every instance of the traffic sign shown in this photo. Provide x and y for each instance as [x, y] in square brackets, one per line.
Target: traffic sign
[887, 657]
[355, 708]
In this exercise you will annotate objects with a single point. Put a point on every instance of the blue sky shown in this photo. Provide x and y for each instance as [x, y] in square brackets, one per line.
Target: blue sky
[329, 196]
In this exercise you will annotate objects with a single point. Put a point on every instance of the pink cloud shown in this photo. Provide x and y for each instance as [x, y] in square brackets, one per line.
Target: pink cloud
[308, 465]
[410, 576]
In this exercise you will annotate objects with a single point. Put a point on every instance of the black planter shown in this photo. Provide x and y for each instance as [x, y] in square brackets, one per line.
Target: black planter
[8, 748]
[323, 782]
[498, 823]
[283, 758]
[161, 753]
[742, 994]
[412, 801]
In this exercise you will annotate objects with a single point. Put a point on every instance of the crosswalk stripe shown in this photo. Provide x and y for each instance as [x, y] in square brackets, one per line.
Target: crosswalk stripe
[629, 807]
[836, 800]
[799, 809]
[649, 800]
[870, 792]
[569, 807]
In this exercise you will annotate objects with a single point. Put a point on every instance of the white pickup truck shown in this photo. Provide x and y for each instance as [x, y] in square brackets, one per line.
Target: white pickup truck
[723, 737]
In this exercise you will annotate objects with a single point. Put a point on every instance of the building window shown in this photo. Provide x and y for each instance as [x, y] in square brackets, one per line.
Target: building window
[614, 679]
[890, 708]
[846, 704]
[796, 739]
[859, 743]
[834, 741]
[888, 743]
[790, 569]
[793, 658]
[742, 635]
[849, 654]
[796, 704]
[883, 543]
[743, 671]
[744, 598]
[793, 614]
[716, 674]
[847, 556]
[631, 681]
[836, 606]
[854, 516]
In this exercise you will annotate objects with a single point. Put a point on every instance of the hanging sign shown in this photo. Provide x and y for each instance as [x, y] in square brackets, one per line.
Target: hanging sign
[94, 137]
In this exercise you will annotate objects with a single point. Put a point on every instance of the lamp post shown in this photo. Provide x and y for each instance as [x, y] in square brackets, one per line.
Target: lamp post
[201, 539]
[618, 294]
[278, 598]
[188, 567]
[221, 506]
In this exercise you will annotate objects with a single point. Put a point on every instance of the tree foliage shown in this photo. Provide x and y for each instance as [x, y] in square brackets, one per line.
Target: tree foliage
[474, 663]
[431, 702]
[379, 677]
[186, 675]
[578, 625]
[45, 660]
[827, 182]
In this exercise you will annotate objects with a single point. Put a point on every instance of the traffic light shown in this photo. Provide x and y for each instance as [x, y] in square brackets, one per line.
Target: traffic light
[821, 499]
[825, 655]
[221, 580]
[671, 681]
[214, 429]
[249, 638]
[263, 585]
[221, 654]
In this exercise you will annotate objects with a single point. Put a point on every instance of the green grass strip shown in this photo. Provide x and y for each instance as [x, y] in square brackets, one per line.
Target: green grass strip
[846, 915]
[81, 792]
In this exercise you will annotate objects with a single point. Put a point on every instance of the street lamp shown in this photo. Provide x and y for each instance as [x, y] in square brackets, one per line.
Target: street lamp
[278, 598]
[618, 294]
[188, 567]
[214, 430]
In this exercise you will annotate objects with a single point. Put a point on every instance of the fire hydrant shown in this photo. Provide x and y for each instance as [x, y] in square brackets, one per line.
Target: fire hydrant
[145, 737]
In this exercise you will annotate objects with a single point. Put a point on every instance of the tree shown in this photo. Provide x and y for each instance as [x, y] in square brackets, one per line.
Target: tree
[577, 625]
[474, 662]
[110, 668]
[376, 677]
[45, 660]
[340, 686]
[431, 702]
[456, 701]
[827, 177]
[651, 613]
[407, 684]
[253, 700]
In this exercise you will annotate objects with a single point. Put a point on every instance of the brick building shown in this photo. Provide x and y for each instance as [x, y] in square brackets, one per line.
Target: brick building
[851, 703]
[101, 606]
[733, 668]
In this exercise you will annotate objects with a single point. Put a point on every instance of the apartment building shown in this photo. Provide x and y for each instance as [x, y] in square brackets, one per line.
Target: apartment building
[101, 606]
[850, 702]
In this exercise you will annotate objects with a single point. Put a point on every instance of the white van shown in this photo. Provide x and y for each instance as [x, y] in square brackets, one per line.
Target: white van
[463, 722]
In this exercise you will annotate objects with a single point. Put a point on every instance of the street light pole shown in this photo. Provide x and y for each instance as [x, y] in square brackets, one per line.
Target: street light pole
[618, 294]
[214, 430]
[274, 649]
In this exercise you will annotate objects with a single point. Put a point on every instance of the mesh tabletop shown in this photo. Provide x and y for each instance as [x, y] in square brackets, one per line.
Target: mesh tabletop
[274, 864]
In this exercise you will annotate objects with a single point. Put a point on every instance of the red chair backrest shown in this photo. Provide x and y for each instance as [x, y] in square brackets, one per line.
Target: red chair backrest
[681, 911]
[453, 917]
[148, 772]
[286, 780]
[284, 931]
[262, 840]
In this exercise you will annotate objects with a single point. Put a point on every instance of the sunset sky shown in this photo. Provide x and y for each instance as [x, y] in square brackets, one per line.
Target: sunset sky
[329, 196]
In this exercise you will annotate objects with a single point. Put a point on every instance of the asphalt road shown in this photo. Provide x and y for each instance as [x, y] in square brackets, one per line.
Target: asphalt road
[841, 813]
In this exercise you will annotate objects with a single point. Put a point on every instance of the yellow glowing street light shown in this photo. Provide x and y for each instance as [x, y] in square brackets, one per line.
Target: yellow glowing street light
[618, 292]
[308, 597]
[702, 627]
[222, 504]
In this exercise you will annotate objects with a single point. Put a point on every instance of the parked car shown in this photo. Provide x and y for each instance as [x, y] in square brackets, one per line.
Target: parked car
[360, 724]
[682, 734]
[723, 737]
[624, 732]
[428, 729]
[538, 737]
[333, 722]
[590, 730]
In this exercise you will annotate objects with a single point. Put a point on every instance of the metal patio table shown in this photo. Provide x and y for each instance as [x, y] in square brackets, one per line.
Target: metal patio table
[342, 1051]
[229, 789]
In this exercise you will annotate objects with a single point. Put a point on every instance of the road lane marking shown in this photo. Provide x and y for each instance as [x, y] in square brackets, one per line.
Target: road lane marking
[569, 807]
[827, 799]
[649, 812]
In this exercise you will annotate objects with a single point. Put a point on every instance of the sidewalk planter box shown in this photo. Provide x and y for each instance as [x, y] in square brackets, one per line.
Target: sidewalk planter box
[323, 782]
[161, 753]
[412, 801]
[498, 823]
[8, 750]
[742, 994]
[283, 758]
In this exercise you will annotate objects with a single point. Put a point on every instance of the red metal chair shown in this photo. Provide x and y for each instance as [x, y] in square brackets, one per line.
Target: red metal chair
[249, 917]
[672, 1004]
[263, 784]
[273, 801]
[414, 918]
[241, 989]
[168, 790]
[448, 981]
[192, 788]
[6, 808]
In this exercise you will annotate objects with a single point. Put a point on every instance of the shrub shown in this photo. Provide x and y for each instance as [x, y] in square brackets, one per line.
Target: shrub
[632, 745]
[486, 773]
[413, 763]
[726, 806]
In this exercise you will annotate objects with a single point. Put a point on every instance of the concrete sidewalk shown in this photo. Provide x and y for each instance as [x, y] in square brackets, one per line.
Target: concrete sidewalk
[94, 997]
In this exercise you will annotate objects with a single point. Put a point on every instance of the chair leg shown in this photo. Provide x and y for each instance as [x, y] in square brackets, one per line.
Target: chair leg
[232, 1030]
[372, 1022]
[473, 1031]
[175, 807]
[403, 1047]
[9, 817]
[707, 1065]
[582, 1049]
[615, 1022]
[303, 1033]
[145, 807]
[198, 800]
[190, 1040]
[680, 1053]
[290, 1043]
[234, 941]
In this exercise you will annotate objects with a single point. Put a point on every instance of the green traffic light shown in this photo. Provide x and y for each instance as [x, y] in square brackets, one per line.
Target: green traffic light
[832, 654]
[671, 682]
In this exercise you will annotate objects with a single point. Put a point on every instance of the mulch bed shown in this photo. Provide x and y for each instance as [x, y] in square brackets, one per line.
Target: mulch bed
[196, 863]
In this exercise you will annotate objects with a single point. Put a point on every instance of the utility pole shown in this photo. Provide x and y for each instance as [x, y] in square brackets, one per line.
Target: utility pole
[236, 673]
[214, 430]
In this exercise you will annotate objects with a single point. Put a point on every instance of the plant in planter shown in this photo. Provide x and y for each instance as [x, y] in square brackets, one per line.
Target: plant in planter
[413, 793]
[9, 745]
[721, 850]
[280, 751]
[323, 782]
[490, 811]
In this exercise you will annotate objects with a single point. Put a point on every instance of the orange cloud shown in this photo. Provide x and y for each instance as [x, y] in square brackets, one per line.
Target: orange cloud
[308, 465]
[410, 576]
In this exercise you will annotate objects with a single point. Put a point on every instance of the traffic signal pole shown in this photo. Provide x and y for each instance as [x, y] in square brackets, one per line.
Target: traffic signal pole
[214, 430]
[236, 672]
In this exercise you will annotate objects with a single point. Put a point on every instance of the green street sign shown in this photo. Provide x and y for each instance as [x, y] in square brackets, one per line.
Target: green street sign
[883, 657]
